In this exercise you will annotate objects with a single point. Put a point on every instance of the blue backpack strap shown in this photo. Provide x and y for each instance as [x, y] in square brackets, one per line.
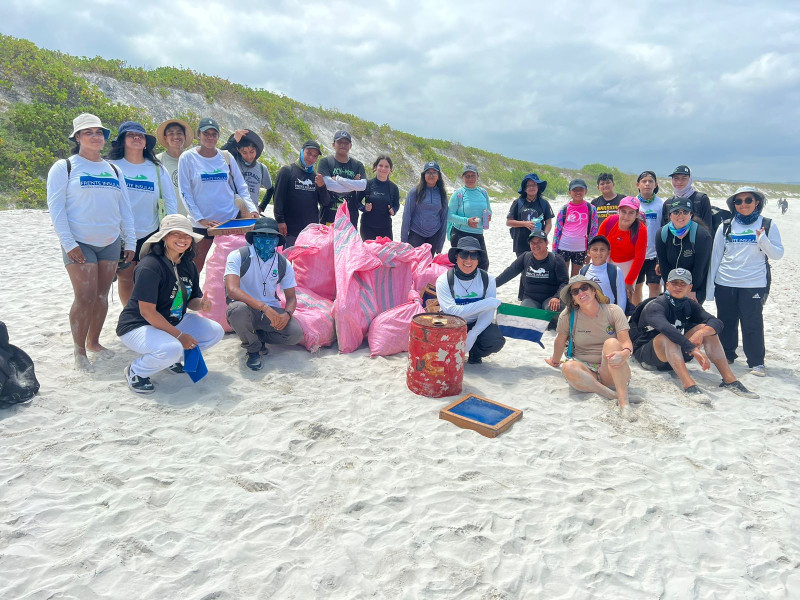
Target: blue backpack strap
[692, 231]
[571, 327]
[664, 233]
[584, 269]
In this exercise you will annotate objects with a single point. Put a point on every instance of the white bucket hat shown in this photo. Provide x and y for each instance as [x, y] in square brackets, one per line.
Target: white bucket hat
[169, 223]
[85, 121]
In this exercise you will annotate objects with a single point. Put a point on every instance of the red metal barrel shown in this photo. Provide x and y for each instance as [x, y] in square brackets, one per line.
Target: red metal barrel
[436, 355]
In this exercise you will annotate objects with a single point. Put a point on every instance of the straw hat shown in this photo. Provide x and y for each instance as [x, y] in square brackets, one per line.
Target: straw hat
[566, 296]
[169, 223]
[187, 129]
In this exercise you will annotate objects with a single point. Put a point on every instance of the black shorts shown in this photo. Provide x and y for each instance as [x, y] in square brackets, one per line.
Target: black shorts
[203, 232]
[139, 243]
[578, 257]
[648, 272]
[646, 355]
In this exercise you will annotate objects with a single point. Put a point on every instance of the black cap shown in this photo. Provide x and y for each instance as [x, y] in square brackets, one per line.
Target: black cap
[207, 123]
[537, 233]
[598, 239]
[680, 204]
[342, 135]
[681, 170]
[576, 183]
[312, 144]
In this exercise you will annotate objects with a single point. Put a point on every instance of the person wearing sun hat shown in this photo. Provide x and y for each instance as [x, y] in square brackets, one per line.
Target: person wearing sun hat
[739, 276]
[91, 215]
[147, 182]
[253, 275]
[594, 334]
[154, 322]
[175, 136]
[468, 292]
[674, 329]
[209, 181]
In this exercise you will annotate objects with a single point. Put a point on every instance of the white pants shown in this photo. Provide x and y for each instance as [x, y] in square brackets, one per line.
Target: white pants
[159, 349]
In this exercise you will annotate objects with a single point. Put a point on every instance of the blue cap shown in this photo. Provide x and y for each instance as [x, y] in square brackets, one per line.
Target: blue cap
[431, 164]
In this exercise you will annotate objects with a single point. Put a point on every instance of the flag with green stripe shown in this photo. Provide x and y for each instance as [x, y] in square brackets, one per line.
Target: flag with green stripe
[523, 323]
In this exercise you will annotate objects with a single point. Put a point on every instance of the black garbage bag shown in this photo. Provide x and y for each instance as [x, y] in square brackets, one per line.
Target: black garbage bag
[18, 381]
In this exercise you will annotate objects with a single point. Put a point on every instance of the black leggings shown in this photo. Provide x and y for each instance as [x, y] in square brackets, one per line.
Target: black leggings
[370, 233]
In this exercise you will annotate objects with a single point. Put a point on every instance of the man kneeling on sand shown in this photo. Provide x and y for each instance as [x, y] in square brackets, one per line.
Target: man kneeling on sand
[252, 276]
[672, 329]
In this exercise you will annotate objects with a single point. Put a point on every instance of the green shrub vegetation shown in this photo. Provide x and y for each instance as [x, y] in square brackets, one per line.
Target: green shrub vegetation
[45, 90]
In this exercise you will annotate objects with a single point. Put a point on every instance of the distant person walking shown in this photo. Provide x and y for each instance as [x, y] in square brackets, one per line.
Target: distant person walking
[91, 215]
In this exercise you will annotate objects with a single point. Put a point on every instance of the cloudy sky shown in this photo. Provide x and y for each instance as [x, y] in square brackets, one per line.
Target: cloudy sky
[712, 84]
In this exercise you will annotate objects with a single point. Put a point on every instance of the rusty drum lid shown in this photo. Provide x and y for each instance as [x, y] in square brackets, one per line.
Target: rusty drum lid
[438, 321]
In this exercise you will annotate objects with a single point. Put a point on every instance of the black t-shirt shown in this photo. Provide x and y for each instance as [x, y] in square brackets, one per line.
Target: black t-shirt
[297, 198]
[154, 281]
[331, 167]
[537, 211]
[383, 195]
[606, 208]
[543, 279]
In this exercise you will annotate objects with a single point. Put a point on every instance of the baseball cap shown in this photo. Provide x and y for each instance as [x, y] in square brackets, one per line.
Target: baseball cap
[537, 233]
[576, 183]
[469, 168]
[207, 123]
[681, 204]
[680, 274]
[431, 164]
[681, 170]
[341, 134]
[312, 144]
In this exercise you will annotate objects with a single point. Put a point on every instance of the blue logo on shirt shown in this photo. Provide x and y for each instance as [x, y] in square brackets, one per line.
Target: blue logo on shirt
[100, 180]
[215, 175]
[140, 183]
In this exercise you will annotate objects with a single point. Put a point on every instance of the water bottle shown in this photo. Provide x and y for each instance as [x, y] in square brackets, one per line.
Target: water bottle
[486, 215]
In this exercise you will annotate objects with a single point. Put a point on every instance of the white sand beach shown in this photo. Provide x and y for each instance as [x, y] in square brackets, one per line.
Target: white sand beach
[323, 476]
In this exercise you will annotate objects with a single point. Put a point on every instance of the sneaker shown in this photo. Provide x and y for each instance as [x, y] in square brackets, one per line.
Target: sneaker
[253, 361]
[474, 360]
[264, 350]
[737, 388]
[696, 394]
[759, 371]
[177, 368]
[140, 385]
[692, 390]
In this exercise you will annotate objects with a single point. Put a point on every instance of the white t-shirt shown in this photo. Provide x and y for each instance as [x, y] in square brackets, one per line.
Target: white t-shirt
[91, 207]
[171, 165]
[143, 192]
[205, 188]
[652, 216]
[260, 282]
[600, 275]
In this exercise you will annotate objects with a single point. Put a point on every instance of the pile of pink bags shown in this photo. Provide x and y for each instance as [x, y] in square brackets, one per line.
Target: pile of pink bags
[347, 289]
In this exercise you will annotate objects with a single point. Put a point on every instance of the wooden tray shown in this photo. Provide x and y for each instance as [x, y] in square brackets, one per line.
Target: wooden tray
[487, 417]
[233, 227]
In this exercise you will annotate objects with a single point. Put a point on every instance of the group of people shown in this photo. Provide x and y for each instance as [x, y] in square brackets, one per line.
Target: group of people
[144, 219]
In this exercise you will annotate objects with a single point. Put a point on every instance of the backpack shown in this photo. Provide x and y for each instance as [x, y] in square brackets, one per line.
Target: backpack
[18, 381]
[765, 223]
[718, 215]
[614, 219]
[244, 253]
[633, 320]
[460, 198]
[692, 232]
[563, 213]
[451, 282]
[612, 277]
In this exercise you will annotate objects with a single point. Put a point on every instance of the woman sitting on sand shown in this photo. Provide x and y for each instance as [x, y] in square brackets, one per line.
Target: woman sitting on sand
[89, 208]
[595, 336]
[154, 323]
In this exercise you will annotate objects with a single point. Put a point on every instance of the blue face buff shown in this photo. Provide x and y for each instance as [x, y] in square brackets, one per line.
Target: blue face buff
[265, 245]
[679, 232]
[303, 163]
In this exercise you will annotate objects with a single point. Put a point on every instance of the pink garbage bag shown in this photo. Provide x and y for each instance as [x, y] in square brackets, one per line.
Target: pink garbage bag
[315, 316]
[389, 331]
[312, 260]
[355, 305]
[214, 270]
[428, 272]
[394, 278]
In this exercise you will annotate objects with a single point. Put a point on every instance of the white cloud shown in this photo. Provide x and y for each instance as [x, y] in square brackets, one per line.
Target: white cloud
[771, 70]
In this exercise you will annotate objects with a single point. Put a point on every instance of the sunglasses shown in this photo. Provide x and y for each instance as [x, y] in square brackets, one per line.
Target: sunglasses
[740, 201]
[468, 255]
[583, 288]
[680, 211]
